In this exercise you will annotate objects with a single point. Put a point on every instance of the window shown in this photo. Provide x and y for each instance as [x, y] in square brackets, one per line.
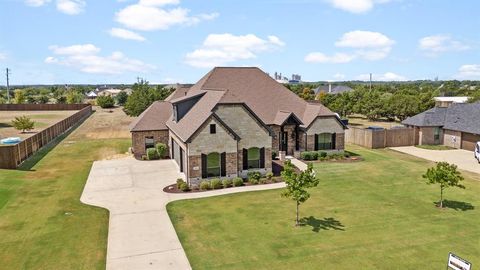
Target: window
[324, 141]
[149, 142]
[253, 158]
[436, 134]
[213, 165]
[213, 128]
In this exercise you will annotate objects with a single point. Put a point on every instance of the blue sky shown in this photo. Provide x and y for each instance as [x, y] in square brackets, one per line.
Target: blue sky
[168, 41]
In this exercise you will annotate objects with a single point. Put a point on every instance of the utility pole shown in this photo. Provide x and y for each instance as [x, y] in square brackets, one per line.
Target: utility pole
[370, 81]
[8, 85]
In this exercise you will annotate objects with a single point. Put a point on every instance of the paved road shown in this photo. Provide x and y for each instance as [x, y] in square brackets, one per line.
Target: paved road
[462, 158]
[141, 235]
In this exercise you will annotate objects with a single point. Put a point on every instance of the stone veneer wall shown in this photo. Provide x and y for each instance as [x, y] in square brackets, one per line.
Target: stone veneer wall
[276, 137]
[339, 142]
[290, 129]
[195, 170]
[138, 140]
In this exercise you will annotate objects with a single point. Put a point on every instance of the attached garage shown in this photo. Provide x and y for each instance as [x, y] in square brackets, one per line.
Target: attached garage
[469, 140]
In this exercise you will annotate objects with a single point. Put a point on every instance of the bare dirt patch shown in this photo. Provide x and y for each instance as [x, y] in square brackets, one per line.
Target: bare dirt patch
[43, 119]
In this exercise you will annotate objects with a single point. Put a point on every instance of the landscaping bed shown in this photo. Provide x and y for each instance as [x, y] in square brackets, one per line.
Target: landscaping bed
[175, 188]
[434, 147]
[322, 156]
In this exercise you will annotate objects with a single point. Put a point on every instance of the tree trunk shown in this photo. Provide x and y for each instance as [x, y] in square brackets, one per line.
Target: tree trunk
[441, 197]
[296, 220]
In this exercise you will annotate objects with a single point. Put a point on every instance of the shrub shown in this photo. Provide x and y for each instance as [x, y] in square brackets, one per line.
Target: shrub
[105, 102]
[204, 185]
[227, 183]
[274, 154]
[263, 181]
[238, 182]
[179, 182]
[161, 149]
[184, 187]
[309, 155]
[152, 154]
[335, 156]
[269, 175]
[216, 183]
[23, 123]
[253, 181]
[346, 154]
[122, 98]
[322, 154]
[254, 176]
[144, 157]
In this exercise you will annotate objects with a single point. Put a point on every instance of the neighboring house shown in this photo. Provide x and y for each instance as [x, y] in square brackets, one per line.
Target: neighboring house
[456, 126]
[447, 101]
[329, 89]
[91, 95]
[109, 92]
[231, 121]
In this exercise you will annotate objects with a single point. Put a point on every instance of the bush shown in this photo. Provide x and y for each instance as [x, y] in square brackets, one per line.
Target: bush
[238, 182]
[253, 181]
[346, 154]
[179, 182]
[335, 156]
[204, 185]
[23, 123]
[144, 157]
[254, 176]
[152, 154]
[122, 98]
[184, 187]
[227, 183]
[274, 154]
[309, 155]
[322, 154]
[269, 175]
[216, 183]
[105, 102]
[263, 180]
[161, 149]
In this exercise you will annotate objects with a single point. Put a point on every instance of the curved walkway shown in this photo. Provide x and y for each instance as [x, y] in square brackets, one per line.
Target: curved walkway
[141, 235]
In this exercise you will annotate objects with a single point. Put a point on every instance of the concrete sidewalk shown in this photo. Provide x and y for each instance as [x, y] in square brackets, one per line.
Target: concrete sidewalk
[141, 235]
[462, 158]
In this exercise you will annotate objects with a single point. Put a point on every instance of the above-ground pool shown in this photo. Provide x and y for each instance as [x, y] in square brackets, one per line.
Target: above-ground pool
[10, 140]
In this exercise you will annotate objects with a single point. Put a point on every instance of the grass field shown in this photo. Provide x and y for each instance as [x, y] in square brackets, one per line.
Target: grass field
[43, 224]
[374, 214]
[43, 119]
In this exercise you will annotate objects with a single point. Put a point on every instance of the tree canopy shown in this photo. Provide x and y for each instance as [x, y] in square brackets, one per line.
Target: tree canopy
[143, 95]
[446, 175]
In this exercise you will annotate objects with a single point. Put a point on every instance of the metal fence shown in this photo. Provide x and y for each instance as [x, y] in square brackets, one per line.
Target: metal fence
[11, 156]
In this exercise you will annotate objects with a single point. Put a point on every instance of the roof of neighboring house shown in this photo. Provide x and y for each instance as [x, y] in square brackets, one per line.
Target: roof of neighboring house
[335, 89]
[153, 118]
[451, 99]
[91, 94]
[180, 91]
[434, 117]
[268, 101]
[459, 117]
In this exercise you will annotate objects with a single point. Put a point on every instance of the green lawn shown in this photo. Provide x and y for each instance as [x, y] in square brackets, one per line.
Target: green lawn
[43, 224]
[374, 214]
[434, 147]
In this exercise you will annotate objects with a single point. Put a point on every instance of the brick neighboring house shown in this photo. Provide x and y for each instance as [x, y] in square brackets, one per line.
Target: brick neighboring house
[231, 121]
[457, 125]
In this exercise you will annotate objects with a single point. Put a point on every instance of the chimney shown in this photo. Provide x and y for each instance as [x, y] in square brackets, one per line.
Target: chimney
[329, 88]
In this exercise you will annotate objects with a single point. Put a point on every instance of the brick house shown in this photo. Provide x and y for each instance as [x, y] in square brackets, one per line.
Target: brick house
[455, 125]
[231, 121]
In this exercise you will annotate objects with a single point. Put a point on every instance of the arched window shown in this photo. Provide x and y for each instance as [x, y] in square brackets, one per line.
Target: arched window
[254, 158]
[213, 165]
[324, 141]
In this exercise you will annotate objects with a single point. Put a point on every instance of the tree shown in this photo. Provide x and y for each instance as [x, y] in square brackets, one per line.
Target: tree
[23, 123]
[105, 101]
[74, 97]
[19, 97]
[122, 98]
[446, 175]
[143, 96]
[43, 99]
[297, 185]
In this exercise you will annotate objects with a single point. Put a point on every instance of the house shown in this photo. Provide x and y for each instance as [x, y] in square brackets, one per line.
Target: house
[91, 95]
[328, 89]
[456, 126]
[109, 92]
[447, 101]
[231, 121]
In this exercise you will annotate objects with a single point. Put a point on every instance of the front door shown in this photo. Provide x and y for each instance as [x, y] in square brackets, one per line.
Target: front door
[283, 141]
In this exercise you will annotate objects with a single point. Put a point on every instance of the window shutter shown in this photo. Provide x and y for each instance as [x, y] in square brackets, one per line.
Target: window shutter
[223, 164]
[245, 159]
[316, 142]
[262, 157]
[204, 166]
[334, 139]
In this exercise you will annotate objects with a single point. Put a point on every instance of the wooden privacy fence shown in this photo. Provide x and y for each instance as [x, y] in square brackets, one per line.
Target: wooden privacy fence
[11, 156]
[381, 138]
[42, 107]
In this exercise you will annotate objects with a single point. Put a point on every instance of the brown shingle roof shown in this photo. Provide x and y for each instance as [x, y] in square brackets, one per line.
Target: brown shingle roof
[153, 118]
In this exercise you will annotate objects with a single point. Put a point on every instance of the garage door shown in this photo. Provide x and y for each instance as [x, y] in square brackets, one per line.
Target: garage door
[469, 140]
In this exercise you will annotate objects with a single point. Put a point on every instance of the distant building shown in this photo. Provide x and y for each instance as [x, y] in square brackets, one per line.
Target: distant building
[91, 95]
[296, 78]
[444, 102]
[329, 89]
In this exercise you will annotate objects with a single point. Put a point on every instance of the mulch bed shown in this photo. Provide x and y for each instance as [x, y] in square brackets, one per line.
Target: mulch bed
[344, 160]
[173, 187]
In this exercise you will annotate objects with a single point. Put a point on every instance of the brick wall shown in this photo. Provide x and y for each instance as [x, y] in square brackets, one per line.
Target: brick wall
[452, 138]
[138, 140]
[340, 141]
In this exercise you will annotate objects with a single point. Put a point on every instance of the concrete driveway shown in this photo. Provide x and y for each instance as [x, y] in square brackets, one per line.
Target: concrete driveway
[141, 235]
[462, 158]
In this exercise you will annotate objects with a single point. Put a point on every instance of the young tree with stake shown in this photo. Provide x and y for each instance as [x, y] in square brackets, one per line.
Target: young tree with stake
[297, 185]
[446, 175]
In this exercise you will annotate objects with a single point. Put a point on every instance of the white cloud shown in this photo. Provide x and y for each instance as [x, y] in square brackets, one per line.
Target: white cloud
[388, 76]
[36, 3]
[220, 49]
[468, 72]
[125, 34]
[433, 45]
[149, 15]
[366, 45]
[356, 6]
[71, 7]
[86, 58]
[338, 58]
[3, 56]
[339, 76]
